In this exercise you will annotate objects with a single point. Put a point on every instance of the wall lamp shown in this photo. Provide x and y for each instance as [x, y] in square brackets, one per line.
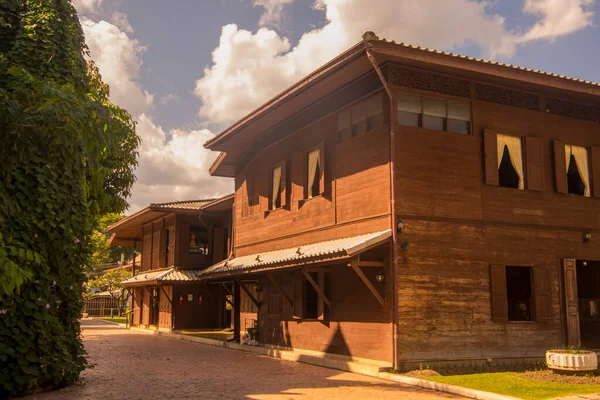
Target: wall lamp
[587, 237]
[399, 226]
[380, 277]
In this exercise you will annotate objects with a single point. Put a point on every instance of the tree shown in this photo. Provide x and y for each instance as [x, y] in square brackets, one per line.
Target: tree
[68, 155]
[111, 282]
[102, 252]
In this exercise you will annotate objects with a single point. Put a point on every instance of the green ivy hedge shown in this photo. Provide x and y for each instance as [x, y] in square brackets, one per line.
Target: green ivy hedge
[67, 156]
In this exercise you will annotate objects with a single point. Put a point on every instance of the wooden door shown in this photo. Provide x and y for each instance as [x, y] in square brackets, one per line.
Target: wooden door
[571, 302]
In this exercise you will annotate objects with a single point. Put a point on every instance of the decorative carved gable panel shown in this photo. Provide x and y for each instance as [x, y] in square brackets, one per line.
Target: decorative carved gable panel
[588, 112]
[513, 98]
[431, 82]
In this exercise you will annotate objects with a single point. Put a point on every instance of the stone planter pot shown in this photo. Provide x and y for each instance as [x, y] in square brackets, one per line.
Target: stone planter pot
[571, 361]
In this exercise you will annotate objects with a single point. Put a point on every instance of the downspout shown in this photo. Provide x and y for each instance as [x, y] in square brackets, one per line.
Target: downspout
[367, 37]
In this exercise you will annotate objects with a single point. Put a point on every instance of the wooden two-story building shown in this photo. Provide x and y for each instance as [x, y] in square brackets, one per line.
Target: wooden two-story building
[177, 241]
[405, 205]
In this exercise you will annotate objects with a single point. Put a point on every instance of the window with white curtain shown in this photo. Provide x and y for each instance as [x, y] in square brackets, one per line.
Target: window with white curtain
[314, 173]
[275, 198]
[433, 113]
[578, 175]
[510, 162]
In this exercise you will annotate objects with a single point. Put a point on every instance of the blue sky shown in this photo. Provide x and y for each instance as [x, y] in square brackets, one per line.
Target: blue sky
[186, 69]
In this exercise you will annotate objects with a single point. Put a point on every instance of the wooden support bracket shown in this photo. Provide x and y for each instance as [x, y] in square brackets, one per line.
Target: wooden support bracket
[380, 264]
[245, 289]
[355, 266]
[316, 287]
[278, 286]
[166, 295]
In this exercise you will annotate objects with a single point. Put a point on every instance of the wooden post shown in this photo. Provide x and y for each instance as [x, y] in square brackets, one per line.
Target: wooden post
[237, 300]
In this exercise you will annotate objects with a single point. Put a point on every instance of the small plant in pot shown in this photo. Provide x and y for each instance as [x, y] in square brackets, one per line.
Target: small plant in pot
[572, 360]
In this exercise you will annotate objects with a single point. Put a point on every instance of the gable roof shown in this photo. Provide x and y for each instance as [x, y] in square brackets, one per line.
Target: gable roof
[353, 63]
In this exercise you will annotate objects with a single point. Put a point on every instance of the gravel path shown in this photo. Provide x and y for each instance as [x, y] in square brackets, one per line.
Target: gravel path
[136, 365]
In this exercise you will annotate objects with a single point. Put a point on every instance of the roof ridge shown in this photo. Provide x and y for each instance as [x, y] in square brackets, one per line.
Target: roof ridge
[183, 201]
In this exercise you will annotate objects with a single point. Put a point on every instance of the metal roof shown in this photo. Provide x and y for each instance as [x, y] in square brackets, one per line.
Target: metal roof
[338, 248]
[316, 252]
[185, 204]
[146, 277]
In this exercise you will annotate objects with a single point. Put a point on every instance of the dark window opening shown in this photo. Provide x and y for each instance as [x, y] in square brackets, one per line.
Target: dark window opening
[154, 306]
[433, 123]
[316, 186]
[167, 233]
[198, 241]
[275, 195]
[519, 293]
[312, 298]
[574, 181]
[458, 126]
[409, 119]
[507, 175]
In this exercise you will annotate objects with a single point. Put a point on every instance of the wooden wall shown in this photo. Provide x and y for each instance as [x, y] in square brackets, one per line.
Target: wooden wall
[458, 226]
[154, 243]
[145, 314]
[356, 198]
[191, 314]
[356, 325]
[164, 307]
[137, 306]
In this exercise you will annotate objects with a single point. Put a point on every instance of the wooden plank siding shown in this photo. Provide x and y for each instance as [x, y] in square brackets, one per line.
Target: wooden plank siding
[461, 223]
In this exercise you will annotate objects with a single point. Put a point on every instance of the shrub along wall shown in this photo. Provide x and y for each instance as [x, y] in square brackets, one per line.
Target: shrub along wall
[67, 156]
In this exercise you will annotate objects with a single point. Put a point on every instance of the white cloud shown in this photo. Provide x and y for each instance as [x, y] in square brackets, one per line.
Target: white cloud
[168, 98]
[120, 20]
[174, 166]
[119, 59]
[273, 11]
[84, 7]
[249, 68]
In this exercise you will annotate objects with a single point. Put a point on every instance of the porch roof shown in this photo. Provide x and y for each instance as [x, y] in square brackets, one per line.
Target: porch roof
[146, 277]
[330, 250]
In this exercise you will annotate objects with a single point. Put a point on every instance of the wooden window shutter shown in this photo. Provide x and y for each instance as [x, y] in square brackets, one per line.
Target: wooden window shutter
[491, 157]
[298, 294]
[535, 163]
[284, 191]
[163, 249]
[172, 245]
[560, 168]
[156, 241]
[596, 170]
[322, 167]
[321, 303]
[542, 293]
[499, 296]
[571, 302]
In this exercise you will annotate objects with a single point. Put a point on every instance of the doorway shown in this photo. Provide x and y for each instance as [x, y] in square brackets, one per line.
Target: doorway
[588, 296]
[154, 306]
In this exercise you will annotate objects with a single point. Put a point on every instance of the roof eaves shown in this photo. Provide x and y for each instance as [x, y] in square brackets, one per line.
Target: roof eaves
[129, 218]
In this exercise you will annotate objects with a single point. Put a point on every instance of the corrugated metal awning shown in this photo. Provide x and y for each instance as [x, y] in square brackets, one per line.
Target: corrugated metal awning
[146, 278]
[337, 249]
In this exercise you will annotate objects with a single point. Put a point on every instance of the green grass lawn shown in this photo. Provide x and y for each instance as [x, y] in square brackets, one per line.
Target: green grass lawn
[120, 320]
[510, 384]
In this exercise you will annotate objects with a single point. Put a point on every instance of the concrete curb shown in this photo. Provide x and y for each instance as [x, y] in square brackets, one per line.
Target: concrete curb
[109, 322]
[443, 387]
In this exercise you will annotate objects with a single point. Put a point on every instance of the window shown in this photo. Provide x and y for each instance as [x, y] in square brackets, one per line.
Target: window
[433, 113]
[307, 302]
[519, 293]
[362, 117]
[198, 241]
[312, 298]
[314, 171]
[576, 161]
[167, 241]
[275, 196]
[510, 162]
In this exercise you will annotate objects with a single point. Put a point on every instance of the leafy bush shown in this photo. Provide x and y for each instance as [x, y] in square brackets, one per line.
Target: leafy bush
[67, 156]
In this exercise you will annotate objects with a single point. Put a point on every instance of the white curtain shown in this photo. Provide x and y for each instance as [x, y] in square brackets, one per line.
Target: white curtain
[514, 152]
[313, 161]
[276, 186]
[581, 160]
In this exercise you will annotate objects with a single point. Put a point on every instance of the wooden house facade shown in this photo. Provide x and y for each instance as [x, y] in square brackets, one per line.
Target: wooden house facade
[177, 240]
[407, 205]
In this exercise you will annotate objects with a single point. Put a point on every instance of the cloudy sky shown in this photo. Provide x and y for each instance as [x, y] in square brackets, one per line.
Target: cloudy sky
[187, 68]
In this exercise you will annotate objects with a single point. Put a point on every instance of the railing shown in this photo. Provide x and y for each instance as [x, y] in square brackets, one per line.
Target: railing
[102, 312]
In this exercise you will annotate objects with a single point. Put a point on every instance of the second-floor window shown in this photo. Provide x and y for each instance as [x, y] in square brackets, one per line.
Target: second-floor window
[510, 162]
[362, 117]
[314, 173]
[198, 241]
[578, 175]
[276, 180]
[433, 113]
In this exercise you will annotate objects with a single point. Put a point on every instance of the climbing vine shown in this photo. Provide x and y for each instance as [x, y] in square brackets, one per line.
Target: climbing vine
[67, 156]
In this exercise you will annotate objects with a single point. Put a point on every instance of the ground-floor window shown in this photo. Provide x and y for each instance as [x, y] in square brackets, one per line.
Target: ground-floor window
[308, 304]
[519, 293]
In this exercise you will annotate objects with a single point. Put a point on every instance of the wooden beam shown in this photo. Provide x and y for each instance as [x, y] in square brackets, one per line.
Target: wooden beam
[227, 290]
[380, 264]
[367, 282]
[166, 295]
[278, 286]
[317, 288]
[245, 289]
[318, 269]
